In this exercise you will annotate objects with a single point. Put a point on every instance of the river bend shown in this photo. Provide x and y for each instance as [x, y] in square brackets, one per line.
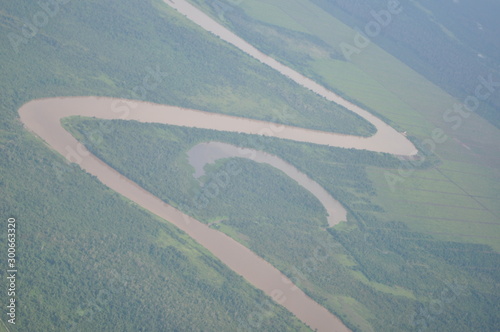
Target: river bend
[43, 118]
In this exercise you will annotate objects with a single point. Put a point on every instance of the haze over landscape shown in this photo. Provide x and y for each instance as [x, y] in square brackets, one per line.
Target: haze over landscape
[250, 165]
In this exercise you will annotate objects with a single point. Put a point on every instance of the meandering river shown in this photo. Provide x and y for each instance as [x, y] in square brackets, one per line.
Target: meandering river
[387, 139]
[207, 153]
[42, 117]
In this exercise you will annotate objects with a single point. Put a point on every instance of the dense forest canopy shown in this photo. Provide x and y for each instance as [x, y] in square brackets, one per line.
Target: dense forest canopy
[422, 254]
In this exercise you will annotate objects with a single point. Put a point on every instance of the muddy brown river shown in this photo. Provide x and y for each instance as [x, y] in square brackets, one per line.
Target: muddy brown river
[387, 139]
[207, 153]
[42, 117]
